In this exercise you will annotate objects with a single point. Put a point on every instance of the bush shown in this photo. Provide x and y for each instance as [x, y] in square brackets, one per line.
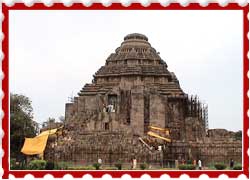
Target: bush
[15, 165]
[211, 166]
[143, 166]
[186, 167]
[12, 164]
[118, 166]
[237, 167]
[88, 168]
[189, 162]
[110, 168]
[220, 166]
[37, 164]
[97, 166]
[82, 168]
[50, 165]
[61, 166]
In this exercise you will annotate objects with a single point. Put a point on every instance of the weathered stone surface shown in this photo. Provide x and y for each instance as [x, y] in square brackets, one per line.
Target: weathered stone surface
[133, 90]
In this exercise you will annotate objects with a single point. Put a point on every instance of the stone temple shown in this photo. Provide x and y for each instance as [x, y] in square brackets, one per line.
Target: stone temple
[134, 91]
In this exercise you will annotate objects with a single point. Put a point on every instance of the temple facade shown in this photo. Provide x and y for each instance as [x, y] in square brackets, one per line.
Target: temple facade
[136, 108]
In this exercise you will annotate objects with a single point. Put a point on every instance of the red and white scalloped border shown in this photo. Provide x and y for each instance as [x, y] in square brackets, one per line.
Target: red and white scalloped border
[126, 3]
[241, 5]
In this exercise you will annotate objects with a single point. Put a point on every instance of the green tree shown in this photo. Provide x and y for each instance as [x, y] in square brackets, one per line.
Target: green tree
[21, 123]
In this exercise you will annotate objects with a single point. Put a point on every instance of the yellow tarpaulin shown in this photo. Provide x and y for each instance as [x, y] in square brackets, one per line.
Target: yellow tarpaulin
[48, 132]
[37, 144]
[150, 133]
[160, 129]
[34, 145]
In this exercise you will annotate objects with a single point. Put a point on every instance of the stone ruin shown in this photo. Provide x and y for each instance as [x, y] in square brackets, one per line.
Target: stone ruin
[110, 118]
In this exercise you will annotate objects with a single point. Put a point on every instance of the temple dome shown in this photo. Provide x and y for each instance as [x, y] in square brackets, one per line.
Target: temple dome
[134, 47]
[136, 36]
[135, 40]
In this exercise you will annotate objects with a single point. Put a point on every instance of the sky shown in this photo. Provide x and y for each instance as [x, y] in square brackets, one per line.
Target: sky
[53, 54]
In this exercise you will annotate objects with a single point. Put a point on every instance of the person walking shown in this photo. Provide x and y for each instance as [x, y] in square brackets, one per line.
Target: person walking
[183, 161]
[99, 162]
[176, 164]
[134, 162]
[231, 164]
[199, 165]
[194, 162]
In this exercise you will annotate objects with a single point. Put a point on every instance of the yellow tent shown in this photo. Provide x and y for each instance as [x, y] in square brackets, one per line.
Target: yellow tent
[37, 144]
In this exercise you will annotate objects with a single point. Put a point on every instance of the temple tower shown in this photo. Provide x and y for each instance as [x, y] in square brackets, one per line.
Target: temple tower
[136, 83]
[131, 92]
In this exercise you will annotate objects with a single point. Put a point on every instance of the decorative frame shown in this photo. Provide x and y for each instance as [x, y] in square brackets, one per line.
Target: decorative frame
[116, 174]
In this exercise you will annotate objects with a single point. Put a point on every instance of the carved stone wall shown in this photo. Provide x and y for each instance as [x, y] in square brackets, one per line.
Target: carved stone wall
[111, 147]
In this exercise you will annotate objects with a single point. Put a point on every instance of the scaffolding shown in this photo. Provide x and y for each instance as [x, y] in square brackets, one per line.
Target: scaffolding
[198, 109]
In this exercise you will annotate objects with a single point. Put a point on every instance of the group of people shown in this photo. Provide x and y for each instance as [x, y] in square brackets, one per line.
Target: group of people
[231, 164]
[199, 164]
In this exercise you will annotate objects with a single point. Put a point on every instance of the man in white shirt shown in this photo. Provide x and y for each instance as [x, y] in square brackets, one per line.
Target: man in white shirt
[199, 164]
[100, 161]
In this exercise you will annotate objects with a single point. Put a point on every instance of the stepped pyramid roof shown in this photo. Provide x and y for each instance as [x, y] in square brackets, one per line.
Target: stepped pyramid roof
[135, 57]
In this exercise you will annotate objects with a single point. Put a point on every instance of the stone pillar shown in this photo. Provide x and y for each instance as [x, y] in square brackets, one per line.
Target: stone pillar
[157, 111]
[69, 110]
[137, 111]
